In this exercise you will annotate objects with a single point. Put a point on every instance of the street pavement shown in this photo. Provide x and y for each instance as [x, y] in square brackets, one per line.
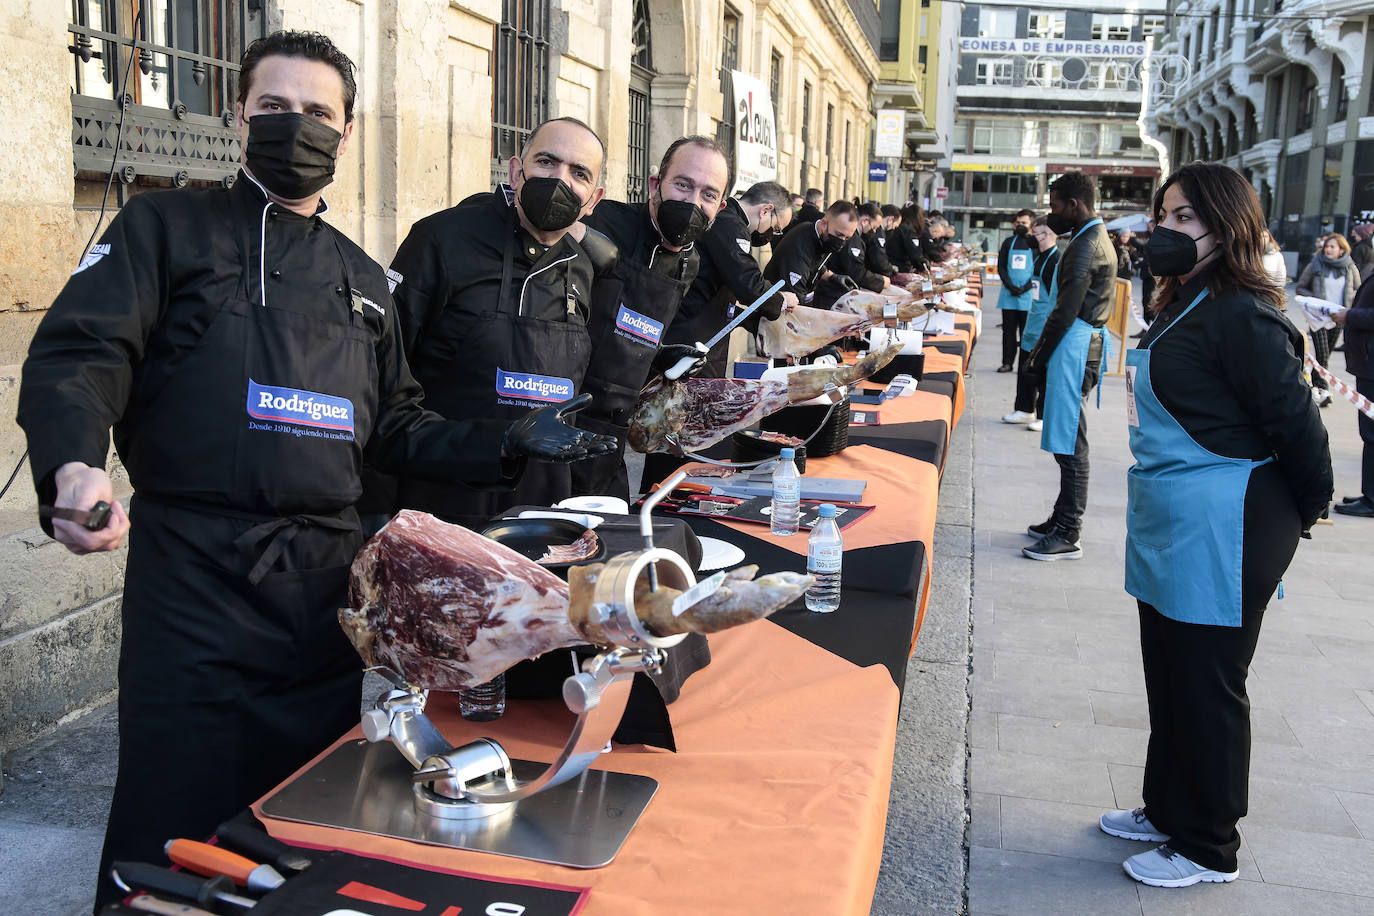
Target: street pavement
[1024, 708]
[1058, 726]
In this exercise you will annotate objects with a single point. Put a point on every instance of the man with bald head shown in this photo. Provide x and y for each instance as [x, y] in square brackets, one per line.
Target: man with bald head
[494, 300]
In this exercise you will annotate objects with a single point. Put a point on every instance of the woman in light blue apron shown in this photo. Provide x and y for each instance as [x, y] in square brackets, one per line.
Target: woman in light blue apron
[1029, 405]
[1014, 269]
[1232, 464]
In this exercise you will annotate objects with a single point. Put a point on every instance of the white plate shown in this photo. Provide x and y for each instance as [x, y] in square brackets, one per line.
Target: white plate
[583, 519]
[717, 554]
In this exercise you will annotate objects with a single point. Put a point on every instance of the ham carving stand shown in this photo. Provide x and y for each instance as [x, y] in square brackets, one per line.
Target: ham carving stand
[475, 796]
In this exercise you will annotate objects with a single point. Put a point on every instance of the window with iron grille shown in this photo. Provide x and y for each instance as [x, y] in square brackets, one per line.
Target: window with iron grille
[641, 77]
[520, 78]
[805, 137]
[774, 88]
[729, 41]
[829, 148]
[1306, 88]
[174, 64]
[729, 60]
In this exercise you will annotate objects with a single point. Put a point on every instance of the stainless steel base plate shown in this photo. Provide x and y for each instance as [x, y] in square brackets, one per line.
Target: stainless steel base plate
[366, 787]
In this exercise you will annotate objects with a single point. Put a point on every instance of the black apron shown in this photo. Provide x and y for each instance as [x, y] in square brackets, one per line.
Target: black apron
[531, 352]
[233, 670]
[630, 312]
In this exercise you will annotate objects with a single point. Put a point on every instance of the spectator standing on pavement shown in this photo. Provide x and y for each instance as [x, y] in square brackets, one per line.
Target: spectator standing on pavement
[1332, 276]
[1014, 268]
[1226, 442]
[1358, 321]
[1140, 244]
[1029, 407]
[1274, 265]
[812, 209]
[1069, 353]
[1362, 249]
[1121, 241]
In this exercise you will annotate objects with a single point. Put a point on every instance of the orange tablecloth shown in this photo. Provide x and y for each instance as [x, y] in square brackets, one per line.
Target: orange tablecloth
[775, 802]
[949, 362]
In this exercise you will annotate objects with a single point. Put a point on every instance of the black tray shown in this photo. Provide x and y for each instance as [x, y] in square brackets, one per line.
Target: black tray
[531, 537]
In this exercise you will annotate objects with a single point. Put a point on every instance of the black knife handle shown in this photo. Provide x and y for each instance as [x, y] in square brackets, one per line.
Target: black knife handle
[261, 846]
[140, 875]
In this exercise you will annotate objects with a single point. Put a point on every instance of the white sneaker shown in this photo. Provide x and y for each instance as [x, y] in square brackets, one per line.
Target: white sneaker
[1018, 416]
[1163, 867]
[1035, 425]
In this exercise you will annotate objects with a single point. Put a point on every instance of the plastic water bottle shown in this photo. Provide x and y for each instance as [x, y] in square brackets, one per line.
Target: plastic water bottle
[786, 494]
[485, 702]
[824, 558]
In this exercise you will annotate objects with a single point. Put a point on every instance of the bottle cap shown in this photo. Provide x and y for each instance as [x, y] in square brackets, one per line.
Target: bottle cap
[787, 454]
[827, 510]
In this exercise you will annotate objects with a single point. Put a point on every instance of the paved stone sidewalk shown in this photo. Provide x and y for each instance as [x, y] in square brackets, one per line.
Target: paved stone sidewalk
[1059, 725]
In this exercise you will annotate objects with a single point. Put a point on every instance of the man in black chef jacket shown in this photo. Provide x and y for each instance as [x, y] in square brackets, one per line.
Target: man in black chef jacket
[873, 231]
[247, 355]
[852, 258]
[811, 210]
[802, 259]
[657, 264]
[495, 296]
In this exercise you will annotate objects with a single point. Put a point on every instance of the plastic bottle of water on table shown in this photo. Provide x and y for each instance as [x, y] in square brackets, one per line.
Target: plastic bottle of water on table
[824, 558]
[786, 494]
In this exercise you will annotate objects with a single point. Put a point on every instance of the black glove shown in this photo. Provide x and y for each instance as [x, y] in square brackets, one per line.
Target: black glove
[770, 310]
[542, 434]
[668, 356]
[1032, 360]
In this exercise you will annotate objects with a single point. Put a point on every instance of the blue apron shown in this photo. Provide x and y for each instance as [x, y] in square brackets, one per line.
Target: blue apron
[1020, 265]
[1042, 303]
[1185, 510]
[1064, 377]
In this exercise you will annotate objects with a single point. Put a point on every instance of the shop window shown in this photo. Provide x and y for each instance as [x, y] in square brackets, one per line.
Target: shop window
[179, 79]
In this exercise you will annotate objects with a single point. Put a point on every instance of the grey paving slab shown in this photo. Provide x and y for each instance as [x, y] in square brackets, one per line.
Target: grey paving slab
[985, 819]
[1127, 780]
[1023, 775]
[48, 870]
[1313, 860]
[1070, 740]
[1251, 898]
[1005, 882]
[1062, 829]
[1127, 710]
[1360, 808]
[1311, 809]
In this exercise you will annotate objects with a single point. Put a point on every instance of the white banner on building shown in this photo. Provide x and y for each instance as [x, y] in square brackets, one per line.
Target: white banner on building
[1052, 47]
[890, 136]
[756, 135]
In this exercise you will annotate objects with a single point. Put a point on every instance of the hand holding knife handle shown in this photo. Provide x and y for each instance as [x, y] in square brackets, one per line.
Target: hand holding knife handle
[216, 860]
[92, 519]
[140, 875]
[262, 846]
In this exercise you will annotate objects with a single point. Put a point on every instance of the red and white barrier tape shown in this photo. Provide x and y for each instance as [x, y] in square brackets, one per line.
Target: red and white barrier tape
[1362, 403]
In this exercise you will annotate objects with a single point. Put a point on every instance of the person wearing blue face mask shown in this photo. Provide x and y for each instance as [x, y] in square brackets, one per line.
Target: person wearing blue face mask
[1231, 466]
[248, 356]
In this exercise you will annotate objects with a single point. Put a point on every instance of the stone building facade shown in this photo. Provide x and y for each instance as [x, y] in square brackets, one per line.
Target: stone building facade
[447, 89]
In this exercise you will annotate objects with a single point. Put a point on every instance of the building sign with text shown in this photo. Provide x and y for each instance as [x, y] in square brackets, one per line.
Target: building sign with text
[889, 139]
[756, 135]
[1052, 47]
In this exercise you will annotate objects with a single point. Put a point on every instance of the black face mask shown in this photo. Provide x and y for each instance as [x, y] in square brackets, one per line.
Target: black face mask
[291, 154]
[832, 243]
[1020, 230]
[1172, 253]
[680, 222]
[761, 239]
[549, 204]
[1058, 224]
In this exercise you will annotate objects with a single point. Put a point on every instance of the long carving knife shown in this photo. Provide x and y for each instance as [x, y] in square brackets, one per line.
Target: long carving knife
[685, 363]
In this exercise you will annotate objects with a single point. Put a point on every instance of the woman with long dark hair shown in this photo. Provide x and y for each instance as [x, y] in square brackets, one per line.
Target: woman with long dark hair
[1232, 466]
[1331, 276]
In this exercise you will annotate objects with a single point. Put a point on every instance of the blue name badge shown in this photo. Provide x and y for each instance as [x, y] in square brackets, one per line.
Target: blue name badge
[300, 408]
[641, 326]
[530, 387]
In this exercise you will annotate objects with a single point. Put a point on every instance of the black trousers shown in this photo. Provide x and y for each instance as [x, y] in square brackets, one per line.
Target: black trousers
[1030, 387]
[1013, 323]
[1365, 386]
[1072, 500]
[225, 688]
[1323, 339]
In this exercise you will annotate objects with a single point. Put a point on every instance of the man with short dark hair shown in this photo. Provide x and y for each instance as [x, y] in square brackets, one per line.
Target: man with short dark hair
[1014, 268]
[248, 357]
[852, 260]
[658, 262]
[802, 259]
[874, 234]
[1069, 353]
[811, 210]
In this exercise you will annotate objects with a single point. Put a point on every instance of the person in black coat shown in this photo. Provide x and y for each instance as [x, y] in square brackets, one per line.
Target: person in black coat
[873, 230]
[1358, 321]
[802, 259]
[811, 210]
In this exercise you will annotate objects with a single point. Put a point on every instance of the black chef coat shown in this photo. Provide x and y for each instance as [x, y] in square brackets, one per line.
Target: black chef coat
[798, 260]
[728, 274]
[875, 252]
[904, 250]
[851, 261]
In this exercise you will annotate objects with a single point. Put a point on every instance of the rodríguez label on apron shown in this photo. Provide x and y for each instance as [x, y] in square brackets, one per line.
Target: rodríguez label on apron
[513, 387]
[299, 413]
[640, 329]
[1018, 260]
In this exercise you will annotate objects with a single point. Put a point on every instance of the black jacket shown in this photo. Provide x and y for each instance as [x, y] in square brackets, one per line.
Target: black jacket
[1230, 374]
[808, 213]
[634, 234]
[797, 260]
[1359, 332]
[1087, 289]
[851, 261]
[728, 273]
[875, 252]
[176, 267]
[904, 250]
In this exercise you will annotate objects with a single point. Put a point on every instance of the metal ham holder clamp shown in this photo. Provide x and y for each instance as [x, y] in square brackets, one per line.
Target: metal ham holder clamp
[475, 796]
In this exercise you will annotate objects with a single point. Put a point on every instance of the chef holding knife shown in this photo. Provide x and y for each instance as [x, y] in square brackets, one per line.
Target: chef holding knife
[246, 354]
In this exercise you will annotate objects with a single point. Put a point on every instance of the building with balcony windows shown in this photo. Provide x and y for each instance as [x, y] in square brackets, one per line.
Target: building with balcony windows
[1043, 91]
[1282, 91]
[918, 49]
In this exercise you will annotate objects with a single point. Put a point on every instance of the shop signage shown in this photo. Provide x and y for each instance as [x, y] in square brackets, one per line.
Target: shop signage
[877, 171]
[756, 136]
[941, 193]
[889, 138]
[1146, 171]
[1051, 47]
[993, 167]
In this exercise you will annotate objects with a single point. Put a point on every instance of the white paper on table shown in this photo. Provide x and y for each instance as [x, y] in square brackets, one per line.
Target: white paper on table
[940, 323]
[1317, 312]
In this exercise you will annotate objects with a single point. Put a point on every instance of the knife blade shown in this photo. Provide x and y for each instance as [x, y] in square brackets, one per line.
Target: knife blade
[92, 519]
[140, 875]
[685, 363]
[147, 903]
